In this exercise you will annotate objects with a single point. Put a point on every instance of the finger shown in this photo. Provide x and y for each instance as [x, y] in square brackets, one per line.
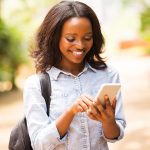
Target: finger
[109, 108]
[90, 115]
[96, 102]
[97, 117]
[91, 106]
[95, 106]
[83, 105]
[80, 109]
[88, 97]
[87, 101]
[99, 102]
[101, 111]
[107, 101]
[114, 103]
[93, 110]
[99, 107]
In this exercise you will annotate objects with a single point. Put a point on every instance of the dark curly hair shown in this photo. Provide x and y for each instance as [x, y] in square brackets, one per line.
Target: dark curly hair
[47, 53]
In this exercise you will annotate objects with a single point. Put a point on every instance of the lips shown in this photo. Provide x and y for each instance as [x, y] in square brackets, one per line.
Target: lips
[78, 54]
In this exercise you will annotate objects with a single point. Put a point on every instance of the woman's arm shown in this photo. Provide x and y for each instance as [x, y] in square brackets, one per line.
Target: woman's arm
[63, 122]
[80, 105]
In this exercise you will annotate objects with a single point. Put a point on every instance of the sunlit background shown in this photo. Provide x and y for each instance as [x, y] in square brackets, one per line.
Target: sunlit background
[126, 27]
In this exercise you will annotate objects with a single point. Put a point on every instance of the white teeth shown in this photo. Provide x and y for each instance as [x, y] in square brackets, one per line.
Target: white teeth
[77, 53]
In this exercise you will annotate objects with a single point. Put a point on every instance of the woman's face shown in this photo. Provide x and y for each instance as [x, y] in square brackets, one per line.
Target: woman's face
[76, 40]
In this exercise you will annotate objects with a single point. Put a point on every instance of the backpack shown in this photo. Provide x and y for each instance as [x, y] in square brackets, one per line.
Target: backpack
[19, 137]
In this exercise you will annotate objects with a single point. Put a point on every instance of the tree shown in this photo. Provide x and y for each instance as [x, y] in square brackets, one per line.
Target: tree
[11, 52]
[13, 43]
[145, 23]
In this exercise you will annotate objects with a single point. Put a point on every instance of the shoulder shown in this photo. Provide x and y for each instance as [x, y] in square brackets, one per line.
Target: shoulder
[109, 74]
[108, 71]
[113, 74]
[111, 70]
[32, 81]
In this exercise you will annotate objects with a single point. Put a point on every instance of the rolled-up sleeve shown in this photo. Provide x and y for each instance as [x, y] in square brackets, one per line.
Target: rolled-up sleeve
[120, 120]
[42, 128]
[119, 112]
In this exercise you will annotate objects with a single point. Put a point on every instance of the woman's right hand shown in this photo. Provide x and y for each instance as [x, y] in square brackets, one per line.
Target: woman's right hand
[82, 104]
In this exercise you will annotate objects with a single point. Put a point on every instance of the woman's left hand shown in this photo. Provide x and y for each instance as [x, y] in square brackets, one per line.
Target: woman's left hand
[105, 113]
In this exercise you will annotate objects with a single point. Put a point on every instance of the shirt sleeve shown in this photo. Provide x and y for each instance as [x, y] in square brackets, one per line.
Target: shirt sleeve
[119, 112]
[42, 129]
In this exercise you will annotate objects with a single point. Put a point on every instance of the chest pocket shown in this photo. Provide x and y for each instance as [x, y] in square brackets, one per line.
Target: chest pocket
[60, 101]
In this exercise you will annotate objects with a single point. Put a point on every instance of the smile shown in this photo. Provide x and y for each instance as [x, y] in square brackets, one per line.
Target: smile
[78, 54]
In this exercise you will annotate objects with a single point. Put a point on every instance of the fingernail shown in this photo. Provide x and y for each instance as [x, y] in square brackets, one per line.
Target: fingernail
[106, 97]
[94, 103]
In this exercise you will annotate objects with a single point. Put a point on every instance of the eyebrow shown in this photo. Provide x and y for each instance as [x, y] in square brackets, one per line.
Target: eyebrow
[76, 34]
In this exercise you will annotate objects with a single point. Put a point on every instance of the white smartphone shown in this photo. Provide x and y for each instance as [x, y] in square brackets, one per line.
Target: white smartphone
[109, 89]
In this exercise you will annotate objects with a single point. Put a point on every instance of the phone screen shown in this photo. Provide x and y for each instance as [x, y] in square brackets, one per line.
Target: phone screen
[109, 89]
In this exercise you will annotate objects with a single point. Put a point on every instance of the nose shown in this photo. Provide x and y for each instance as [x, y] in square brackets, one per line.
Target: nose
[80, 45]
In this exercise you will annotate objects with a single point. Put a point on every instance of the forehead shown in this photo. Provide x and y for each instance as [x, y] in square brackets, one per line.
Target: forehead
[77, 24]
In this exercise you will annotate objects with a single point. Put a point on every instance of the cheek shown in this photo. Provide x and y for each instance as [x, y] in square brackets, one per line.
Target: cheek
[89, 45]
[63, 45]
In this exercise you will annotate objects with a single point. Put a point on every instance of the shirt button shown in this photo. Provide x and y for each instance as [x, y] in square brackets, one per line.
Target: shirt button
[65, 94]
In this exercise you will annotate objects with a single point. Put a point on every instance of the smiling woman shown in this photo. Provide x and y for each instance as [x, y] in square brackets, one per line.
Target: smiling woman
[75, 42]
[69, 45]
[51, 31]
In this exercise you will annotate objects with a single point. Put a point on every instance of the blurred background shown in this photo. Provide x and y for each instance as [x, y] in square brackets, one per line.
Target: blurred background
[126, 27]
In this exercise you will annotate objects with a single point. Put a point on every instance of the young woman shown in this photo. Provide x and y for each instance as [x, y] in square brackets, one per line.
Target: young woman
[69, 43]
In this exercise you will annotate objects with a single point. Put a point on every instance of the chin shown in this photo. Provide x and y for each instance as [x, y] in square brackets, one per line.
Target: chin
[78, 62]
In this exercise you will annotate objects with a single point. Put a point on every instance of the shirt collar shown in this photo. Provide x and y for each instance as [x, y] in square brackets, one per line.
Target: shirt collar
[88, 66]
[55, 72]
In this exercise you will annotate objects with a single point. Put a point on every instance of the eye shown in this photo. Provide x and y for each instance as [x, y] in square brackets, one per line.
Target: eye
[88, 38]
[70, 39]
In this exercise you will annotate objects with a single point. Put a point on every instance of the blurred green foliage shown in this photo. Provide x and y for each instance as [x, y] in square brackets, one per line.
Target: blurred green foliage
[145, 23]
[144, 18]
[144, 13]
[145, 27]
[16, 32]
[11, 52]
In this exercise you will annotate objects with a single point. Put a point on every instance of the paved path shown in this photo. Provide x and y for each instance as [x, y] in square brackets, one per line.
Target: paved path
[11, 110]
[135, 75]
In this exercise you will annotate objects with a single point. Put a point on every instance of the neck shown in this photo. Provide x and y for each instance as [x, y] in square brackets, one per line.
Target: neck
[74, 69]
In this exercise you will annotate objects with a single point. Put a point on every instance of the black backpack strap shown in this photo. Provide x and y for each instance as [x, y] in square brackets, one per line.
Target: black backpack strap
[45, 88]
[19, 138]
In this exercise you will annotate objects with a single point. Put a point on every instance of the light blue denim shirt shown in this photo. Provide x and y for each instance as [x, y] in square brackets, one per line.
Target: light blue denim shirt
[83, 133]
